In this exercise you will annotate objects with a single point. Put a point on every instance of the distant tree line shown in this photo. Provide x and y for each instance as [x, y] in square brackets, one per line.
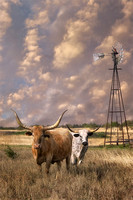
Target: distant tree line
[94, 125]
[84, 125]
[8, 128]
[116, 124]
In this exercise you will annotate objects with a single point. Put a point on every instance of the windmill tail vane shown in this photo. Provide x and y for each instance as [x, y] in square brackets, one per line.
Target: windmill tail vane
[98, 56]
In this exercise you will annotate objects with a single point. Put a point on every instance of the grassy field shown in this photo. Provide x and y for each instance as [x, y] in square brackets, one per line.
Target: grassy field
[106, 174]
[18, 137]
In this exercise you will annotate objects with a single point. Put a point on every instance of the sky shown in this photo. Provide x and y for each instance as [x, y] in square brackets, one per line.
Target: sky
[46, 59]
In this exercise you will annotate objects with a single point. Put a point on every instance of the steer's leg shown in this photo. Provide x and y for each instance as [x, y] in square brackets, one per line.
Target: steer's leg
[73, 159]
[47, 166]
[82, 154]
[39, 167]
[68, 162]
[48, 163]
[59, 165]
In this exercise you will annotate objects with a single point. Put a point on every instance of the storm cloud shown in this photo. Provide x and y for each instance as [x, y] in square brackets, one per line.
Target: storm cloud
[46, 59]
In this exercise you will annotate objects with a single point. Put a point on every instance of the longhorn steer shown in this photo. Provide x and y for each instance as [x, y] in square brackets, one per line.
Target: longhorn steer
[48, 145]
[79, 144]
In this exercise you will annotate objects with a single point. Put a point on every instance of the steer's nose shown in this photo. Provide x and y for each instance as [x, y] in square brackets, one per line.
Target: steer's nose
[84, 143]
[36, 146]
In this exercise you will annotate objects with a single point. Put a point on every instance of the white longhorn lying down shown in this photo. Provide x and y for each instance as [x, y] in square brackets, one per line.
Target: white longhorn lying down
[79, 144]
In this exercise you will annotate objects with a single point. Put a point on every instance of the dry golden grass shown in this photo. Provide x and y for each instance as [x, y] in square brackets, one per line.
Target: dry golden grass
[15, 140]
[106, 174]
[8, 137]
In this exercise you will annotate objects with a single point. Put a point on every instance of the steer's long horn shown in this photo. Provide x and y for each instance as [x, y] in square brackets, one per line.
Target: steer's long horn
[56, 124]
[71, 129]
[91, 133]
[19, 122]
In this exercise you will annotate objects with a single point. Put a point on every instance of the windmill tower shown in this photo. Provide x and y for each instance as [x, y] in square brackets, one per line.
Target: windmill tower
[116, 126]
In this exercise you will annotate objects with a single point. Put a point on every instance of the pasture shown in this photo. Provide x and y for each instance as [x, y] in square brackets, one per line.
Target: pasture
[105, 174]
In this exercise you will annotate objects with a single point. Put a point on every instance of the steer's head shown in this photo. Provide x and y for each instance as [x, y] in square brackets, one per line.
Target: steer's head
[38, 132]
[83, 134]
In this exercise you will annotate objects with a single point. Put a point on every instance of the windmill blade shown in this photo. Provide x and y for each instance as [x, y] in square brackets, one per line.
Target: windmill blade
[119, 48]
[98, 56]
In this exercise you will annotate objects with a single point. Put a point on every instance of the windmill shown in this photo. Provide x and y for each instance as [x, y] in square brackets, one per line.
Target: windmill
[116, 127]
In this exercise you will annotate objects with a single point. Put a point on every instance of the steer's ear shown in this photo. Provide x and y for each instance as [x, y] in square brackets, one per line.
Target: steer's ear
[90, 133]
[75, 134]
[28, 133]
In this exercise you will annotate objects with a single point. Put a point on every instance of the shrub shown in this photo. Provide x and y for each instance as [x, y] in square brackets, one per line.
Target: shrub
[10, 153]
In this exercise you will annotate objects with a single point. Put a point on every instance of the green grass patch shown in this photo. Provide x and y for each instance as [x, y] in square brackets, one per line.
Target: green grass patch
[98, 135]
[18, 133]
[10, 152]
[13, 132]
[120, 146]
[2, 146]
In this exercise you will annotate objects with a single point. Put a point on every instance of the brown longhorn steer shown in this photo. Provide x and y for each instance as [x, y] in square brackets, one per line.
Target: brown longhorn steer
[48, 145]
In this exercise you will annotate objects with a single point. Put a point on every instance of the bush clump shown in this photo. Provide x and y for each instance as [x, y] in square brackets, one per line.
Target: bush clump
[10, 153]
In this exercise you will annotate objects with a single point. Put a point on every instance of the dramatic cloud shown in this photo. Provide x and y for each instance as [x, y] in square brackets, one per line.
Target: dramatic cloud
[71, 47]
[46, 59]
[32, 56]
[73, 44]
[5, 21]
